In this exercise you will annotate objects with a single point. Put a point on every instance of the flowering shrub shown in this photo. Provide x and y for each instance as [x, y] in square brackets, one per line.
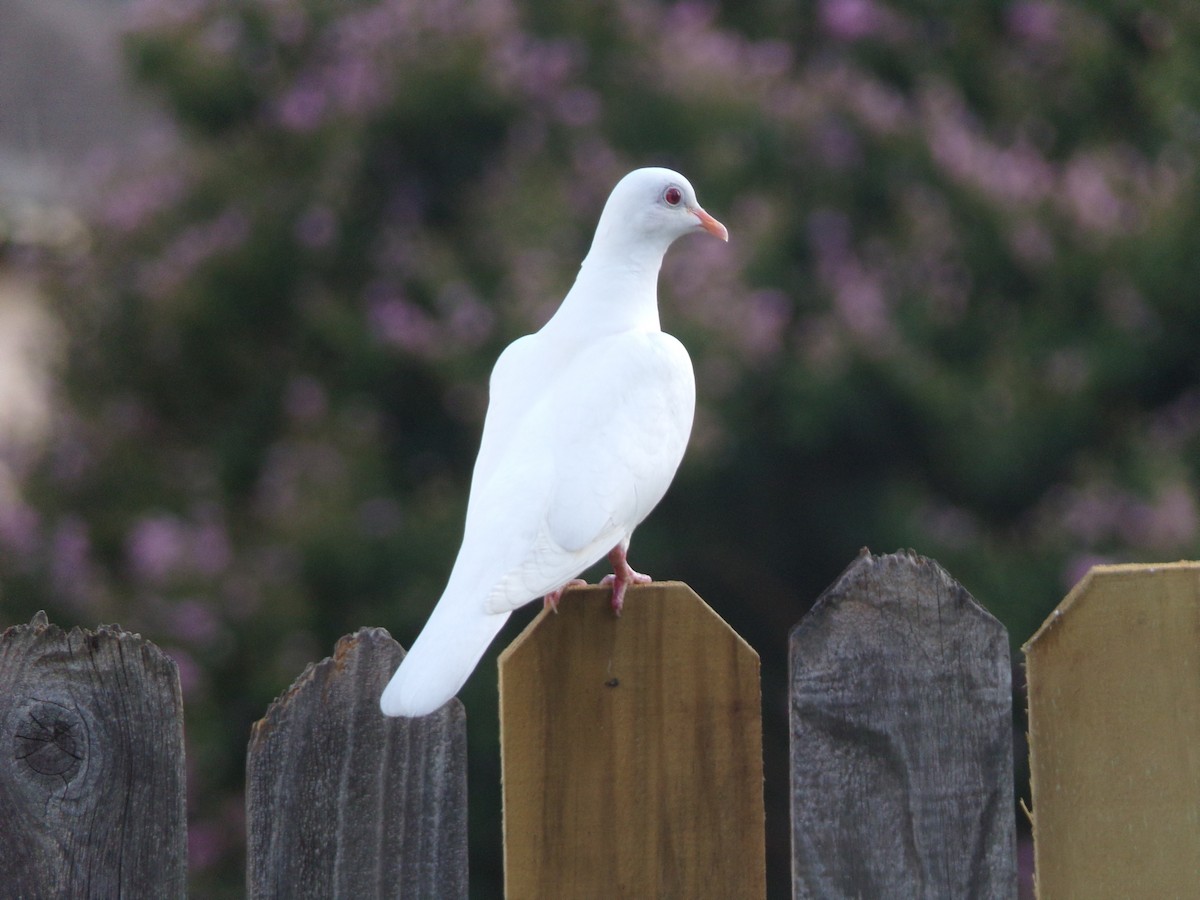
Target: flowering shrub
[955, 313]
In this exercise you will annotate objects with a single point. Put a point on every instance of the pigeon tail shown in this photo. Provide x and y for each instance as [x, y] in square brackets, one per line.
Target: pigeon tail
[441, 659]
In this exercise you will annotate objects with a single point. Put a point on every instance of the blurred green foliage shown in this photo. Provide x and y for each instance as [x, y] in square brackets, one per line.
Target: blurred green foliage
[958, 312]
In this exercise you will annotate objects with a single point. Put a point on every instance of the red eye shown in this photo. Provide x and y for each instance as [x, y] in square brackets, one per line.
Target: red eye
[673, 195]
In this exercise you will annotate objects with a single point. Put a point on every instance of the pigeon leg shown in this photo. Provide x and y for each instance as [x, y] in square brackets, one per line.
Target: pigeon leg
[622, 577]
[552, 599]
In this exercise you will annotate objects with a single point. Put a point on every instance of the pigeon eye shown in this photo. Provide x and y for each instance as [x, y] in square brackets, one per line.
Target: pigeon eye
[673, 196]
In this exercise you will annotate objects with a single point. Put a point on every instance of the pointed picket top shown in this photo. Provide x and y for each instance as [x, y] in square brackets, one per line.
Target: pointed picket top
[632, 751]
[1114, 732]
[1112, 576]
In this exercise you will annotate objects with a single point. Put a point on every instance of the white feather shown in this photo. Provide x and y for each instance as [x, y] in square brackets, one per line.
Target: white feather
[587, 423]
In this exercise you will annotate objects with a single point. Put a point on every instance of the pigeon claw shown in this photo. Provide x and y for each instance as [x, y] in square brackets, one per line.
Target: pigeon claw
[622, 577]
[552, 599]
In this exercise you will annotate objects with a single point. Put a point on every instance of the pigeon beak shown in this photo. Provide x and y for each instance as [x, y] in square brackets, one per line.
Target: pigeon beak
[709, 224]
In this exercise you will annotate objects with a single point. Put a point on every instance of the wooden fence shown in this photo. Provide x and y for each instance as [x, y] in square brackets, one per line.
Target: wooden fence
[632, 755]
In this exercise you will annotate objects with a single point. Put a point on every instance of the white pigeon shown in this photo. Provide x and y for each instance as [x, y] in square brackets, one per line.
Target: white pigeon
[587, 423]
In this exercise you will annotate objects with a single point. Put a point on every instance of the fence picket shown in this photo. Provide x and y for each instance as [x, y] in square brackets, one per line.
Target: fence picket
[1114, 736]
[91, 765]
[901, 704]
[632, 752]
[342, 802]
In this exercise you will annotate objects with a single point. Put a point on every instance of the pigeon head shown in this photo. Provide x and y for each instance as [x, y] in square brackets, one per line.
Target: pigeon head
[649, 209]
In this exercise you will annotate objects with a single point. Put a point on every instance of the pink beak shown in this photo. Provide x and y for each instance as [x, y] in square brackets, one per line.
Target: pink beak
[709, 224]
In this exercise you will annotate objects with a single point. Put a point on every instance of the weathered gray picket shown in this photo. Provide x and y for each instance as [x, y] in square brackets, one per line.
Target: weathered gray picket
[901, 720]
[342, 802]
[91, 765]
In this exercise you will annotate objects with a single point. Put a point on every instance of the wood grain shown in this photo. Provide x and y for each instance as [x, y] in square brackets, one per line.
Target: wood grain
[901, 705]
[91, 765]
[632, 752]
[1114, 733]
[343, 802]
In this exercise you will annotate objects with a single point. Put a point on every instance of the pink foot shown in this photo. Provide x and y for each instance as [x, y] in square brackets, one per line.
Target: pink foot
[552, 599]
[622, 577]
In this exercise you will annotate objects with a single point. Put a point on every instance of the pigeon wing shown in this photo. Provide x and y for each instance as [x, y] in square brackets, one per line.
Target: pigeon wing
[616, 425]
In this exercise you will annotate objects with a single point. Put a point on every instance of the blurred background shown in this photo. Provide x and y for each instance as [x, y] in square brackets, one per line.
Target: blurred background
[258, 257]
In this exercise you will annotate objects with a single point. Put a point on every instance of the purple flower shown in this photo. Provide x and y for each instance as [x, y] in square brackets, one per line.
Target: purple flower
[402, 324]
[222, 37]
[1090, 197]
[578, 107]
[138, 200]
[468, 321]
[852, 20]
[860, 302]
[305, 399]
[210, 551]
[193, 621]
[208, 841]
[71, 571]
[192, 248]
[762, 323]
[289, 24]
[1165, 524]
[20, 525]
[317, 228]
[1036, 22]
[155, 547]
[302, 109]
[191, 675]
[1079, 565]
[837, 146]
[355, 85]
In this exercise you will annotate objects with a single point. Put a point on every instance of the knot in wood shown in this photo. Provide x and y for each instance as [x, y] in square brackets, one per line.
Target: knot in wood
[51, 739]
